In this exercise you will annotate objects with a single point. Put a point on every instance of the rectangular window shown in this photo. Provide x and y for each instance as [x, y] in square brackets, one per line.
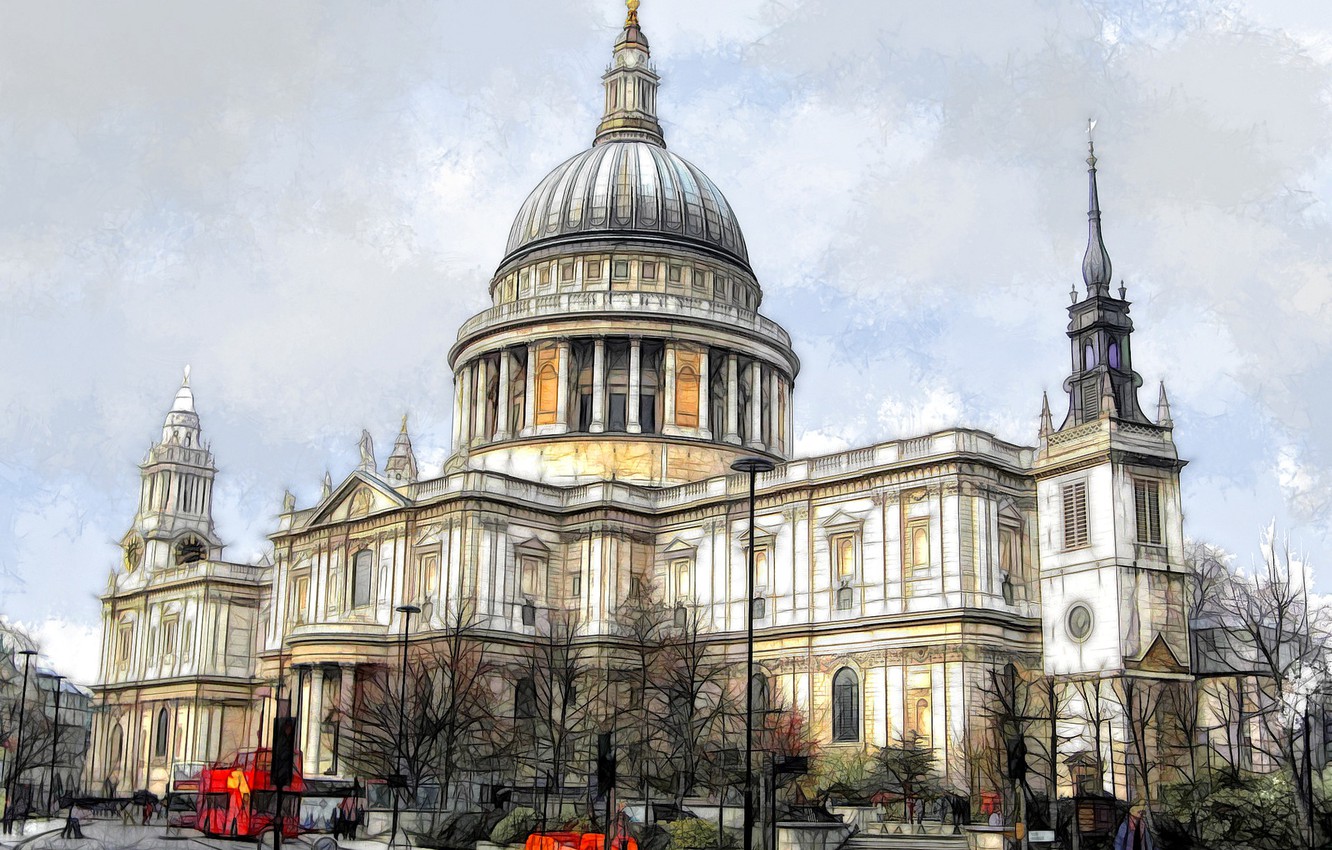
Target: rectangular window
[621, 269]
[1075, 515]
[566, 272]
[169, 635]
[593, 270]
[545, 275]
[649, 271]
[762, 555]
[680, 573]
[362, 577]
[300, 598]
[124, 641]
[577, 584]
[918, 548]
[528, 568]
[673, 274]
[844, 557]
[1147, 510]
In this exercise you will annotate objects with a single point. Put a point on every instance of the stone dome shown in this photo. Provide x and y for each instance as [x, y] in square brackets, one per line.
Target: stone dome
[628, 188]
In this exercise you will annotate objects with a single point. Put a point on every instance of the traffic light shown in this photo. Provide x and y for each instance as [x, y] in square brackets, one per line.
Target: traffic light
[605, 763]
[284, 750]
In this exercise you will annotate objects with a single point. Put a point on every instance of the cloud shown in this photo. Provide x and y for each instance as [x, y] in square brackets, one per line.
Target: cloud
[304, 201]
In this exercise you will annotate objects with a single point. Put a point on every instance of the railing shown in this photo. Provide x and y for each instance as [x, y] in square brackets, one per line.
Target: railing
[652, 303]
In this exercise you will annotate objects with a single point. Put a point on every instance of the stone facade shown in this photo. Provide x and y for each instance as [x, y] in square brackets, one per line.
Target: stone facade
[599, 404]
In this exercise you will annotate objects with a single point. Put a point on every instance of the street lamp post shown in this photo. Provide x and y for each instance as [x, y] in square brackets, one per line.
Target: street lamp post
[55, 742]
[398, 780]
[751, 466]
[18, 748]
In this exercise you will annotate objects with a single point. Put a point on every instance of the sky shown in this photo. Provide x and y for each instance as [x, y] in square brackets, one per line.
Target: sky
[303, 201]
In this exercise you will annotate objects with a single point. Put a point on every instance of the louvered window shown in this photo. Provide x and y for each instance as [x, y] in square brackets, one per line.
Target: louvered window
[1091, 400]
[1147, 510]
[1075, 515]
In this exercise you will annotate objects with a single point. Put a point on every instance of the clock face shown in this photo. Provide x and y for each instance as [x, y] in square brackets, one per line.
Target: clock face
[1079, 622]
[133, 554]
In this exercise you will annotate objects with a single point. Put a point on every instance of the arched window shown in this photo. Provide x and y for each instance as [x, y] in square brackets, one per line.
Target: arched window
[163, 728]
[361, 570]
[686, 397]
[846, 706]
[758, 686]
[524, 699]
[1112, 356]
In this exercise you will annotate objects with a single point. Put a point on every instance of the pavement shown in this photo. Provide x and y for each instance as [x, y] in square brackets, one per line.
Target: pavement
[44, 834]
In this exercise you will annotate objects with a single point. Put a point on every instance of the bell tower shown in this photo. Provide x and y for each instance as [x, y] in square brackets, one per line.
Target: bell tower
[174, 522]
[1111, 549]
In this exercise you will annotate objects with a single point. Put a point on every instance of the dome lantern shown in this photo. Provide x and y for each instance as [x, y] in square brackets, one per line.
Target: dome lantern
[631, 90]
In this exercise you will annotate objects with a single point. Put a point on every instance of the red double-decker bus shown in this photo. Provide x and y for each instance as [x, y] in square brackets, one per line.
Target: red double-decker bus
[237, 798]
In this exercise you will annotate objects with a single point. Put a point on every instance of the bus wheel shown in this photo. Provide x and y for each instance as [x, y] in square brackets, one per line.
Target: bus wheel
[326, 843]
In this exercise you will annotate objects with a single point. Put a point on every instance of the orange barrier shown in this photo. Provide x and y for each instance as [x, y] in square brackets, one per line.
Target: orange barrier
[576, 841]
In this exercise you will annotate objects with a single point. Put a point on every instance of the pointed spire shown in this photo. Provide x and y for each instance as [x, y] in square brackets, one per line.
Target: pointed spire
[401, 465]
[1163, 410]
[1096, 262]
[327, 489]
[1047, 423]
[631, 89]
[184, 402]
[288, 502]
[1108, 405]
[367, 453]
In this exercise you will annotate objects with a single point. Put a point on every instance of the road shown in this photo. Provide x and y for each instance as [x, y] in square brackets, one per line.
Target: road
[113, 835]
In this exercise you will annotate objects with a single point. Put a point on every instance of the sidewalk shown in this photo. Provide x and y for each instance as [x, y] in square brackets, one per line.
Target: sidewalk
[30, 828]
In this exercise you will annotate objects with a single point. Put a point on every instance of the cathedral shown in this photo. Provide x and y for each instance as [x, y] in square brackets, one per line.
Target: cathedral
[599, 405]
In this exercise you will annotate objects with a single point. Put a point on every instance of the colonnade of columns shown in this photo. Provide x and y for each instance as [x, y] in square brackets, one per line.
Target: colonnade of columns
[324, 700]
[633, 385]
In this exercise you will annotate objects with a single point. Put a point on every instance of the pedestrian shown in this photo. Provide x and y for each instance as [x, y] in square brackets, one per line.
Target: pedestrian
[72, 828]
[336, 825]
[9, 818]
[147, 811]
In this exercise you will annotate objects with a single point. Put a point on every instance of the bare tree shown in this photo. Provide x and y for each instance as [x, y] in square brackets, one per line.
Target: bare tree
[693, 674]
[1139, 701]
[557, 698]
[641, 620]
[1271, 635]
[447, 713]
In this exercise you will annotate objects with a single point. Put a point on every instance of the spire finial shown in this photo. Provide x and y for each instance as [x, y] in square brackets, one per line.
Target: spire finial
[1047, 422]
[185, 382]
[403, 429]
[1096, 262]
[632, 20]
[1163, 409]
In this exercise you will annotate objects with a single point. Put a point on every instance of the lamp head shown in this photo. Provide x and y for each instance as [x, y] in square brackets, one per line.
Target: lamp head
[753, 465]
[408, 609]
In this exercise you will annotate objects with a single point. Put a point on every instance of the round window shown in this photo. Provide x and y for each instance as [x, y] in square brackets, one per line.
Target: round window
[1079, 622]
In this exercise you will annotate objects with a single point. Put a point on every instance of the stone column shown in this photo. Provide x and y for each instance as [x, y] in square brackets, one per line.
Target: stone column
[756, 405]
[668, 409]
[562, 393]
[774, 412]
[346, 703]
[704, 395]
[502, 409]
[457, 410]
[732, 400]
[635, 385]
[314, 755]
[598, 386]
[465, 407]
[529, 394]
[480, 402]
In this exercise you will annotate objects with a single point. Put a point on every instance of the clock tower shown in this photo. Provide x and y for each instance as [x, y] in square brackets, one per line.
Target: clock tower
[174, 523]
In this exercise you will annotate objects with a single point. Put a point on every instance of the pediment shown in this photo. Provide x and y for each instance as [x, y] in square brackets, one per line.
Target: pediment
[533, 546]
[1008, 511]
[841, 520]
[762, 534]
[1158, 659]
[679, 547]
[360, 495]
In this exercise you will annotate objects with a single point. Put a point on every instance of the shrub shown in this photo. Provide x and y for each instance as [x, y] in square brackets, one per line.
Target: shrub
[515, 826]
[692, 834]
